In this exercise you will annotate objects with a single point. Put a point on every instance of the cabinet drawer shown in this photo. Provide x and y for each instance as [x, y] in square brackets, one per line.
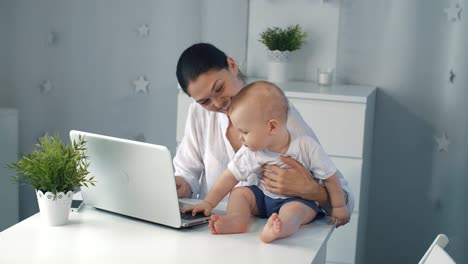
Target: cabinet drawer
[342, 244]
[351, 169]
[338, 125]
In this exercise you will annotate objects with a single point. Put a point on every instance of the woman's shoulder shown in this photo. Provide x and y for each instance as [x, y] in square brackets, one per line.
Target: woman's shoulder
[297, 124]
[200, 115]
[306, 141]
[197, 110]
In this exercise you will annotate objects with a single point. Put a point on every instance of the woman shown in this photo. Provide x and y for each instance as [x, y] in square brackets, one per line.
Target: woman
[211, 78]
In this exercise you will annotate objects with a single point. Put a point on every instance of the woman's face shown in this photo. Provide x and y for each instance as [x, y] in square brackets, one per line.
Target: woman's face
[214, 89]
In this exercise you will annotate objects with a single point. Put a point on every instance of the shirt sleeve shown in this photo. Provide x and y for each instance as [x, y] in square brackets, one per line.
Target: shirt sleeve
[321, 164]
[188, 161]
[243, 164]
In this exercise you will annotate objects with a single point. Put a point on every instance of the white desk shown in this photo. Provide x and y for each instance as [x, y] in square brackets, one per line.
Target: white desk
[95, 236]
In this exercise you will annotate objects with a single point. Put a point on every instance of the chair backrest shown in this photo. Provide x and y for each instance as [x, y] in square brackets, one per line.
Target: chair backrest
[436, 253]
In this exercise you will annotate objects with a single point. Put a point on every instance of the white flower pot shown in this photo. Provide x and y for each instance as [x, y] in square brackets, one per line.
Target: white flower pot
[54, 210]
[278, 67]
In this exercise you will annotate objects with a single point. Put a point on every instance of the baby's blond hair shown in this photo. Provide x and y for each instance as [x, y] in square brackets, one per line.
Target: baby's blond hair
[267, 98]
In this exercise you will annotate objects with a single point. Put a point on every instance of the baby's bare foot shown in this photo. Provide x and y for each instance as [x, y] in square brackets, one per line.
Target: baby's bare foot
[272, 229]
[213, 220]
[228, 224]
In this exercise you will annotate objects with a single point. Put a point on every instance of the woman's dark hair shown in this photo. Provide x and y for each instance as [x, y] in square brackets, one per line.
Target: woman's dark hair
[198, 59]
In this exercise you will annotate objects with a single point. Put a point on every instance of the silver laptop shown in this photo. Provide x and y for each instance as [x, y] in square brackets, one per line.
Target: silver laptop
[135, 179]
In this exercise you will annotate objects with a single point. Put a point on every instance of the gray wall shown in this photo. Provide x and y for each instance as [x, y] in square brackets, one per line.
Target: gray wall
[224, 23]
[96, 56]
[319, 19]
[8, 126]
[5, 17]
[9, 204]
[407, 48]
[92, 64]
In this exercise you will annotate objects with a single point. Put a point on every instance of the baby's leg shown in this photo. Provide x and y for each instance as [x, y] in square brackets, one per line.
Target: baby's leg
[291, 216]
[241, 206]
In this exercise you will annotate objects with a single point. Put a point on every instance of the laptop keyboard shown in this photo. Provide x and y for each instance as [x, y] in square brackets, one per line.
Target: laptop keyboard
[189, 216]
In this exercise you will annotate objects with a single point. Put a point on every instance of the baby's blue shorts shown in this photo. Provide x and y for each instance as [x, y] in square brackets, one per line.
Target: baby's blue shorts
[267, 206]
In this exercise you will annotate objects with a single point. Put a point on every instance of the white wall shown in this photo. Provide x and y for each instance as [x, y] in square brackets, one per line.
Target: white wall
[96, 57]
[224, 23]
[319, 20]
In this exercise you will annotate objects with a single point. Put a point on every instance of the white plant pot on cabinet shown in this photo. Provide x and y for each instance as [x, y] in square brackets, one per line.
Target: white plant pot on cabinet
[278, 66]
[54, 210]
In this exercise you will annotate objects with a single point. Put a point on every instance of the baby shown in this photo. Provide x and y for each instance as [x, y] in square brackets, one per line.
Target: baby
[259, 113]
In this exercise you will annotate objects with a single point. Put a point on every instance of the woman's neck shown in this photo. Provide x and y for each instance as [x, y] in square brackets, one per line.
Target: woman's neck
[233, 137]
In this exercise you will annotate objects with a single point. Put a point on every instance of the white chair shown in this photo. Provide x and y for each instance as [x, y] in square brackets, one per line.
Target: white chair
[436, 253]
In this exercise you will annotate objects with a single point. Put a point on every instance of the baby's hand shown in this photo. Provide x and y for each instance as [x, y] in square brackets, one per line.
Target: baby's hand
[204, 207]
[339, 215]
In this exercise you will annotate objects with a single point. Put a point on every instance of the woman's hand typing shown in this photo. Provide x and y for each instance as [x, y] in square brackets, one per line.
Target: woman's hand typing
[183, 188]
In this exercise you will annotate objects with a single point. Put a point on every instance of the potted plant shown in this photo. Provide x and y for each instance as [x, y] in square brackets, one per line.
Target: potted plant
[280, 43]
[54, 170]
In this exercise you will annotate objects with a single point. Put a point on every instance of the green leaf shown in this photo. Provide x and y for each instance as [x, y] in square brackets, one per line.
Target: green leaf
[290, 38]
[53, 166]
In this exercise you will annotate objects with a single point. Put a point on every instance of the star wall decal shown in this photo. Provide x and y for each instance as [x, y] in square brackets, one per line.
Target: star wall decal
[442, 142]
[143, 31]
[453, 12]
[141, 85]
[452, 76]
[46, 87]
[51, 38]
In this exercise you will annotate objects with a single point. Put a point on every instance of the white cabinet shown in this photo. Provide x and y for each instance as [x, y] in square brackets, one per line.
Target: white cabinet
[342, 117]
[8, 153]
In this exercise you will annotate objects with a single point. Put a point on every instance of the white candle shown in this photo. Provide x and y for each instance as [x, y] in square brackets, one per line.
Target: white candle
[324, 77]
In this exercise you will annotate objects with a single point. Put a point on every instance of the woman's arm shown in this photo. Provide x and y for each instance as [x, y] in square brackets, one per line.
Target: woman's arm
[188, 162]
[296, 181]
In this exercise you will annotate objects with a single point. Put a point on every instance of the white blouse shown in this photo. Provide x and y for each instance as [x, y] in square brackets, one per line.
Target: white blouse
[201, 155]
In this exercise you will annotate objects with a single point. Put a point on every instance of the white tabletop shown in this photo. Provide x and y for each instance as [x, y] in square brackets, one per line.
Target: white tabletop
[95, 236]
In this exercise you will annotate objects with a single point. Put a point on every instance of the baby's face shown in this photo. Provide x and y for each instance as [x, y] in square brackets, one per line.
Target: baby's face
[253, 130]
